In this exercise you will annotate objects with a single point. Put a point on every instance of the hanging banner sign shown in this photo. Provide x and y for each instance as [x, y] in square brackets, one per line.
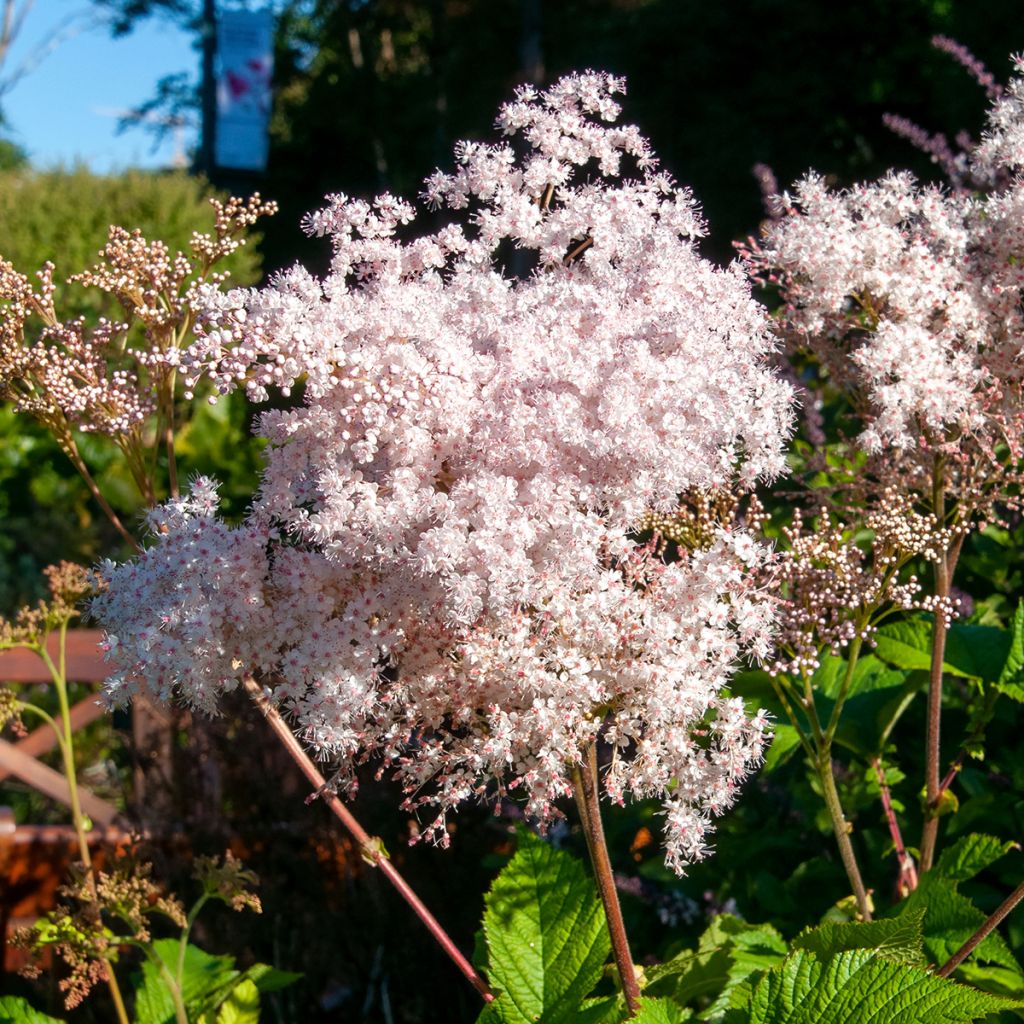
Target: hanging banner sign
[245, 51]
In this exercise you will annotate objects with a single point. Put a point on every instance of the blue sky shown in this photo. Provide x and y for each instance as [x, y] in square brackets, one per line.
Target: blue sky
[65, 111]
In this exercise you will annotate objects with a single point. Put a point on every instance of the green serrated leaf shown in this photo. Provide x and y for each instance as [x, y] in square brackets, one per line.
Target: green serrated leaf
[950, 920]
[269, 979]
[661, 1011]
[859, 987]
[546, 936]
[1011, 679]
[204, 977]
[721, 972]
[1000, 981]
[15, 1010]
[242, 1005]
[753, 950]
[605, 1010]
[970, 855]
[898, 939]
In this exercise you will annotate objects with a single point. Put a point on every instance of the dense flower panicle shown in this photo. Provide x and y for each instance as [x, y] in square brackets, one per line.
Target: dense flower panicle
[888, 285]
[909, 298]
[443, 566]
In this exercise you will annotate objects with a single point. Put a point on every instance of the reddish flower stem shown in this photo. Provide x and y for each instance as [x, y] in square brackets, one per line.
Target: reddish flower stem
[588, 802]
[908, 870]
[369, 847]
[980, 935]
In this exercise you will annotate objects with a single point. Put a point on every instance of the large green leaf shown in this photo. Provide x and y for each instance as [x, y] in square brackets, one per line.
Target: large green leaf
[242, 1005]
[204, 975]
[897, 938]
[208, 983]
[1011, 679]
[661, 1011]
[972, 652]
[950, 920]
[858, 986]
[15, 1010]
[546, 937]
[970, 855]
[721, 972]
[978, 651]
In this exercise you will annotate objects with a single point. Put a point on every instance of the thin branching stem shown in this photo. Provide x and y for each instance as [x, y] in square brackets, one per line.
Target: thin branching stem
[944, 570]
[370, 848]
[982, 933]
[66, 744]
[71, 450]
[908, 870]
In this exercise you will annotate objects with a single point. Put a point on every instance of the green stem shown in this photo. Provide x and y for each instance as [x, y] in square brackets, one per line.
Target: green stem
[180, 1016]
[31, 709]
[805, 742]
[821, 758]
[844, 688]
[944, 570]
[185, 933]
[72, 452]
[841, 828]
[66, 743]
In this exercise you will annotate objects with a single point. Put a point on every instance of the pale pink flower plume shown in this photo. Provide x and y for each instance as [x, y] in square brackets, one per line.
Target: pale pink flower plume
[443, 568]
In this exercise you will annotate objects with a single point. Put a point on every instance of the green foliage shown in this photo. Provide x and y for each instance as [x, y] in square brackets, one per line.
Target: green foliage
[898, 939]
[64, 215]
[720, 973]
[972, 652]
[213, 990]
[859, 986]
[15, 1010]
[546, 942]
[661, 1011]
[970, 855]
[950, 918]
[12, 156]
[1011, 679]
[546, 938]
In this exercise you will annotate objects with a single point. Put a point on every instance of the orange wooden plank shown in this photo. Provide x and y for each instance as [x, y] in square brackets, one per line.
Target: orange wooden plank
[43, 739]
[53, 784]
[85, 662]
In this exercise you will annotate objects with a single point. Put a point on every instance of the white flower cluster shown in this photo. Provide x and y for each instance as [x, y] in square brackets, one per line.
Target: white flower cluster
[442, 567]
[911, 295]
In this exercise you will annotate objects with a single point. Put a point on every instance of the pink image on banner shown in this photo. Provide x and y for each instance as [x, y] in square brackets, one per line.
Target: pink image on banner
[244, 95]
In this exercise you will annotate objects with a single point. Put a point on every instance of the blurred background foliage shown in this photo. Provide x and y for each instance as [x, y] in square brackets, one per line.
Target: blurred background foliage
[369, 96]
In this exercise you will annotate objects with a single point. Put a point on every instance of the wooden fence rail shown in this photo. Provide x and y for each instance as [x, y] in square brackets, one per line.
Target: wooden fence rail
[34, 859]
[84, 664]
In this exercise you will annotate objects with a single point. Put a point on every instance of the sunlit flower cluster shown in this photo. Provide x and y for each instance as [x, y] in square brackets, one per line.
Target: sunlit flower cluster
[444, 567]
[909, 296]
